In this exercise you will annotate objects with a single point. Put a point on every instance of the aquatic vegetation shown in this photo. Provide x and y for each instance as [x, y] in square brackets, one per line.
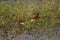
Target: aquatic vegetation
[17, 17]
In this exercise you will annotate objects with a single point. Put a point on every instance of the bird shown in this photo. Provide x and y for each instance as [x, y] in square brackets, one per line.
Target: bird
[19, 20]
[35, 16]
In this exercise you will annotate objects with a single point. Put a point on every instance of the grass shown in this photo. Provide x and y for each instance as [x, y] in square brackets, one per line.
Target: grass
[48, 12]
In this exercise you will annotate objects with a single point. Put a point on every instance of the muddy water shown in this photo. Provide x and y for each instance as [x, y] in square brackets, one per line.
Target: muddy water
[42, 35]
[36, 35]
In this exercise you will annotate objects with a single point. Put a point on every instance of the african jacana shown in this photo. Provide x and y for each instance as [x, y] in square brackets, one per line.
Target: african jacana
[34, 17]
[19, 20]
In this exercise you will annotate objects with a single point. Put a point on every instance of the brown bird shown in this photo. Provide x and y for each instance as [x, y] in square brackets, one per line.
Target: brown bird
[35, 16]
[19, 20]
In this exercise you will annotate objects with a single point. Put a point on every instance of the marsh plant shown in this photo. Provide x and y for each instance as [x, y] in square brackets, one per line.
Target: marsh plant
[17, 17]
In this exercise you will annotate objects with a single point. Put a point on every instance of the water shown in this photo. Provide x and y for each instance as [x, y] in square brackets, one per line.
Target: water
[34, 36]
[25, 35]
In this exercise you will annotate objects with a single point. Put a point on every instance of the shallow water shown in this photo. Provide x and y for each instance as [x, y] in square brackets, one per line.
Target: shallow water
[36, 35]
[25, 36]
